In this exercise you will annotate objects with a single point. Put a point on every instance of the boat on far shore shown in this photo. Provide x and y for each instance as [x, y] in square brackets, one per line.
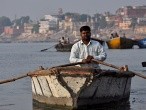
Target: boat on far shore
[120, 43]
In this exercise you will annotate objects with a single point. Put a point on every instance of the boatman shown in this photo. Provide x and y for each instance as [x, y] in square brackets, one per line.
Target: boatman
[86, 49]
[62, 41]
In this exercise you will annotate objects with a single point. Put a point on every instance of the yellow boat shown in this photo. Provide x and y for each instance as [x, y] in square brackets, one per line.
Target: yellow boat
[120, 43]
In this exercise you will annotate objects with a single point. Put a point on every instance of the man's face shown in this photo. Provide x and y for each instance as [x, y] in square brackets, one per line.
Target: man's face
[85, 35]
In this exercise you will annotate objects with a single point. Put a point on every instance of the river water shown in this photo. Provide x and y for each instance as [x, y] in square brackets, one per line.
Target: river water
[20, 58]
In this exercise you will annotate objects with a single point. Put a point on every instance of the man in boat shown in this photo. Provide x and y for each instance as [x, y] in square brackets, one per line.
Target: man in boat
[62, 41]
[67, 39]
[86, 49]
[124, 36]
[114, 35]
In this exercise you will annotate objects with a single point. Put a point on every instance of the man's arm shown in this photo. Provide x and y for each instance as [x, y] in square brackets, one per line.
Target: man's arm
[74, 54]
[101, 53]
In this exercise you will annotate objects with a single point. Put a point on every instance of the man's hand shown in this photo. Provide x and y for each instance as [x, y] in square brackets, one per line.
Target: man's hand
[88, 59]
[124, 68]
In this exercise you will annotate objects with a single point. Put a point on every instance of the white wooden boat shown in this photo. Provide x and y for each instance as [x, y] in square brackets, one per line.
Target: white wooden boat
[77, 87]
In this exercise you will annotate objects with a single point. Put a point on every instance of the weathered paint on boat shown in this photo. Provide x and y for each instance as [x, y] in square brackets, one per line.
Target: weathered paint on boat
[142, 43]
[64, 47]
[120, 43]
[80, 87]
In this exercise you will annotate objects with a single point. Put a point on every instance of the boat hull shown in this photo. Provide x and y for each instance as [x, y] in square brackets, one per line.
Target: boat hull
[120, 43]
[82, 89]
[63, 48]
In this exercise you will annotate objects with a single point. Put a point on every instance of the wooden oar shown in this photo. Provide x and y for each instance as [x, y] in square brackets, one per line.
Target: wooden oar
[33, 73]
[70, 64]
[14, 79]
[144, 64]
[47, 48]
[119, 68]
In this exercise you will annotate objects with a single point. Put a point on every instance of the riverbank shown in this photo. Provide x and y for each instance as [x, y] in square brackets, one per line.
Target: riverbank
[28, 38]
[25, 37]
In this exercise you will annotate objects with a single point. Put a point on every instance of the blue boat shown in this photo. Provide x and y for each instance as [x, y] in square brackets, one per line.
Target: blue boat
[142, 43]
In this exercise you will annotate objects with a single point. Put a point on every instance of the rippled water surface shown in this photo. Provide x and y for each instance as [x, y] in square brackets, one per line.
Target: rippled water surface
[20, 58]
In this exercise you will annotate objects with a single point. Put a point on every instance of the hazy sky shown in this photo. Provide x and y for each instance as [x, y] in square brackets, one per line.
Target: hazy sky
[36, 9]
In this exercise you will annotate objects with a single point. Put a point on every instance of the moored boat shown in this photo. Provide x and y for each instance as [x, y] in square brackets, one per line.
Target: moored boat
[141, 43]
[120, 43]
[77, 87]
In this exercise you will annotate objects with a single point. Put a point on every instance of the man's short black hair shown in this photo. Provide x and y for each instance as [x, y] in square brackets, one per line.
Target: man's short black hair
[85, 28]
